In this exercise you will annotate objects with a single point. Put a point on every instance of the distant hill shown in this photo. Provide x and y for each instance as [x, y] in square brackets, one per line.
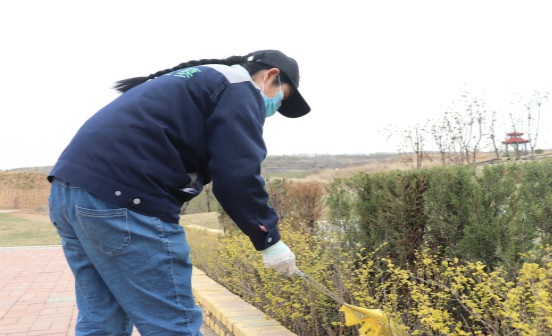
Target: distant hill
[27, 187]
[40, 170]
[286, 163]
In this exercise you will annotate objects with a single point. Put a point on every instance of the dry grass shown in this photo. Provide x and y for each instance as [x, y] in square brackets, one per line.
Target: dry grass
[23, 190]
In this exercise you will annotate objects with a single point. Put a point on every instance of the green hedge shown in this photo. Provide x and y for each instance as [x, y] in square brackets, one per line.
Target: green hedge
[490, 215]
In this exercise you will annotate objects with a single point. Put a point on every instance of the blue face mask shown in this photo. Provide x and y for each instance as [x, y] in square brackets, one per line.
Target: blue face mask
[273, 104]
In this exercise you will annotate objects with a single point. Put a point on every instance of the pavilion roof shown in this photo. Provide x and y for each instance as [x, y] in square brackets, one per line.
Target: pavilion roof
[515, 141]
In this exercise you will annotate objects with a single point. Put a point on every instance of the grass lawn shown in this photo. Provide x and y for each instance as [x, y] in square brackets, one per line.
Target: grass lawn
[16, 230]
[206, 219]
[24, 229]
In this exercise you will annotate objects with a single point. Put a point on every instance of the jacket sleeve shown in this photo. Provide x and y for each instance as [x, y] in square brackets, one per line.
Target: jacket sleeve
[236, 150]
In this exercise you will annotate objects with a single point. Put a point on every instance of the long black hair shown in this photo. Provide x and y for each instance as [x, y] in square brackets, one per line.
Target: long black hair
[248, 62]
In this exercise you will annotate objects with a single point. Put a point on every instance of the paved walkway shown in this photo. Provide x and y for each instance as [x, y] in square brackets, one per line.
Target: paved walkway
[37, 294]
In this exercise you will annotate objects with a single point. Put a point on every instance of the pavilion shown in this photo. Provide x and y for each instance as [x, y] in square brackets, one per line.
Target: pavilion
[516, 141]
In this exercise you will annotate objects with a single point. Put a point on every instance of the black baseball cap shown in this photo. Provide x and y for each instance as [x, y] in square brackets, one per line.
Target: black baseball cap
[295, 105]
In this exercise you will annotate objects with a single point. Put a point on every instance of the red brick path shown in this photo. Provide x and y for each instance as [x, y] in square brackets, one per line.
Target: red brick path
[37, 294]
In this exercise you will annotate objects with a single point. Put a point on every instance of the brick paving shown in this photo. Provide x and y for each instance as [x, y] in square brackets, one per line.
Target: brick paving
[37, 294]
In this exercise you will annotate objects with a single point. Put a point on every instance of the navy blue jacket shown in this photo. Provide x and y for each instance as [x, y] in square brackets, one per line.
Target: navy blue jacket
[140, 151]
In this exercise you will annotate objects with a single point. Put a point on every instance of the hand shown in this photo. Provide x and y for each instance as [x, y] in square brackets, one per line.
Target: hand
[279, 258]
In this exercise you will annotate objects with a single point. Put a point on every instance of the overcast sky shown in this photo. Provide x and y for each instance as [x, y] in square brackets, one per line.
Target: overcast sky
[365, 66]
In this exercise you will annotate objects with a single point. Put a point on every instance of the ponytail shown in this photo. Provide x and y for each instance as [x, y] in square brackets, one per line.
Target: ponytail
[126, 84]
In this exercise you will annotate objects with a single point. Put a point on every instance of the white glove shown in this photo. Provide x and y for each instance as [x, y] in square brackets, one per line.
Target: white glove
[279, 258]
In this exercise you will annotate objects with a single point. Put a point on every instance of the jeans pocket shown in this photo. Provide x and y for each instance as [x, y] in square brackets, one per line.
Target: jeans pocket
[107, 229]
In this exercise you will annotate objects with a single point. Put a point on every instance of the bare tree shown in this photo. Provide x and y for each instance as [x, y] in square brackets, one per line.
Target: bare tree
[207, 191]
[441, 141]
[471, 126]
[410, 140]
[492, 134]
[466, 119]
[443, 138]
[536, 100]
[415, 140]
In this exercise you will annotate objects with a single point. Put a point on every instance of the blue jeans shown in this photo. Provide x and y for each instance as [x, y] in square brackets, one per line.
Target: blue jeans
[129, 268]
